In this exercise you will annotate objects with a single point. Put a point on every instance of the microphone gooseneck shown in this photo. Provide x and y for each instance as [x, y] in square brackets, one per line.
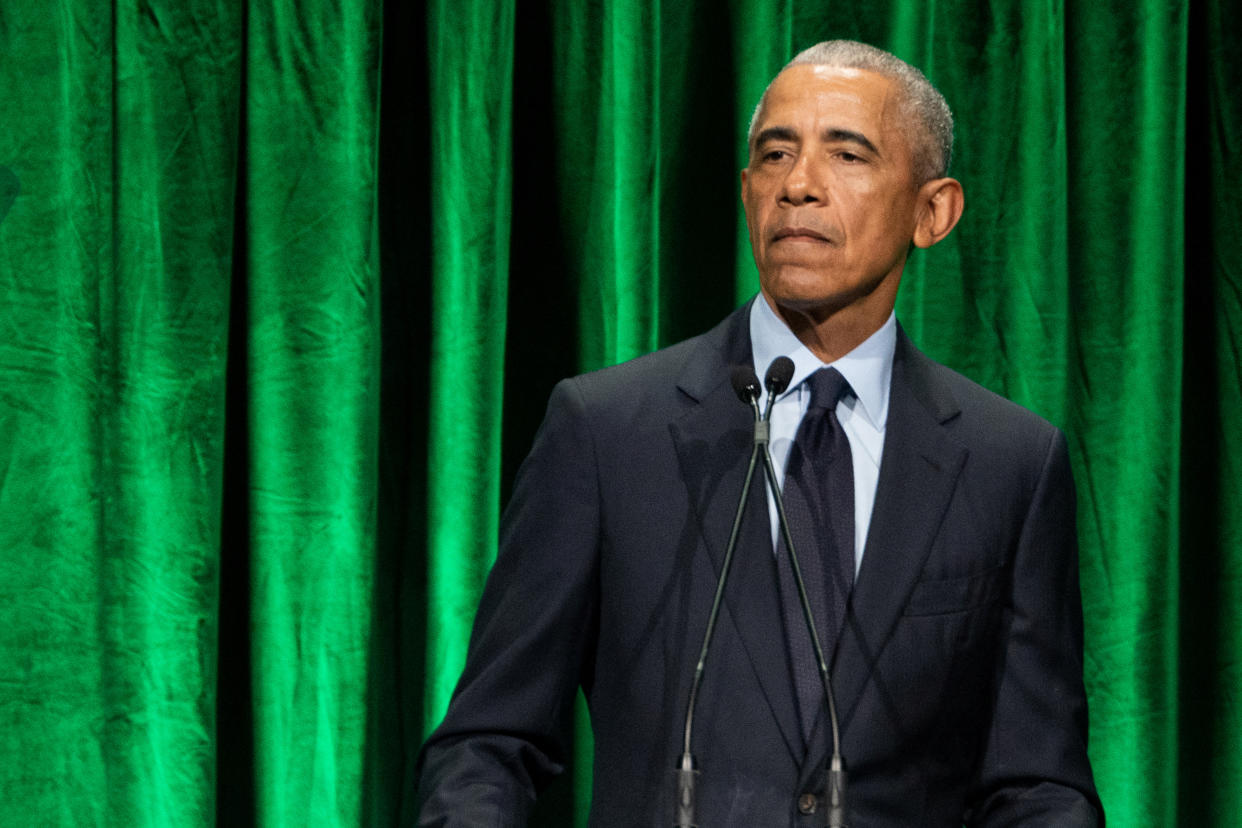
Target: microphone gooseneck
[746, 386]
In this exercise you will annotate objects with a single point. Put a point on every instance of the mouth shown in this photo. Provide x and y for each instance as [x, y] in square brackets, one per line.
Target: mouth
[799, 234]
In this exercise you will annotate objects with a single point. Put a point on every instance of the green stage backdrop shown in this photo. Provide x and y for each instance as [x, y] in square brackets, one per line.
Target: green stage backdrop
[285, 286]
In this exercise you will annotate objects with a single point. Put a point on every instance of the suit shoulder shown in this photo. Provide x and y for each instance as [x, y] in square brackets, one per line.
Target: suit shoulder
[995, 406]
[1008, 448]
[665, 364]
[698, 362]
[979, 415]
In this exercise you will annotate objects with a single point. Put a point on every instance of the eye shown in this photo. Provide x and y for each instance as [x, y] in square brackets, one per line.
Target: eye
[849, 157]
[774, 155]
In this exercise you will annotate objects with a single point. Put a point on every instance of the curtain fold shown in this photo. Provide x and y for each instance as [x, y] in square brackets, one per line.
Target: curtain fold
[115, 274]
[286, 289]
[471, 101]
[312, 305]
[1209, 559]
[1127, 170]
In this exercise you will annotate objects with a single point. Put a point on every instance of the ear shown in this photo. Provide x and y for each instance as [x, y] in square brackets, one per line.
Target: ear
[745, 179]
[940, 204]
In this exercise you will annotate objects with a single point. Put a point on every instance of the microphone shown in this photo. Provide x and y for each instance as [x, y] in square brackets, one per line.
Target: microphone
[776, 380]
[780, 372]
[745, 383]
[746, 386]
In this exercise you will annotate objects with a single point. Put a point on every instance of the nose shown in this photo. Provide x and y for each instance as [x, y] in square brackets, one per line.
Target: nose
[802, 184]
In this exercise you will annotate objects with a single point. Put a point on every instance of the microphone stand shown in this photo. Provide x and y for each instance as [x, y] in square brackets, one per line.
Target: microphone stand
[746, 385]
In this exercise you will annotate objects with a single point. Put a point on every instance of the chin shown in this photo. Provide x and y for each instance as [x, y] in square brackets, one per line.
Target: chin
[810, 304]
[817, 297]
[803, 289]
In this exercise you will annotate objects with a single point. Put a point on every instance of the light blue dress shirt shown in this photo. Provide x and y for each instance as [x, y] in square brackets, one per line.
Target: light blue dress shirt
[869, 370]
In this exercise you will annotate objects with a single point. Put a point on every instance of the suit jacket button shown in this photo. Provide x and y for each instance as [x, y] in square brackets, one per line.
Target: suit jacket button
[807, 803]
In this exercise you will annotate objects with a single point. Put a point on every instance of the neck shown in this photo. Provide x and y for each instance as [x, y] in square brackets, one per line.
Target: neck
[833, 333]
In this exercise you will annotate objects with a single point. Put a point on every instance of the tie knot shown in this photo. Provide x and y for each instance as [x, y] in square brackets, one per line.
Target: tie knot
[827, 387]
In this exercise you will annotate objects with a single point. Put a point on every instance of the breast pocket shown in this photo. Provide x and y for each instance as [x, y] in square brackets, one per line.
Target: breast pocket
[942, 596]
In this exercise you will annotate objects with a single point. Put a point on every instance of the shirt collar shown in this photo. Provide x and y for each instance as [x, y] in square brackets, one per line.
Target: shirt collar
[868, 368]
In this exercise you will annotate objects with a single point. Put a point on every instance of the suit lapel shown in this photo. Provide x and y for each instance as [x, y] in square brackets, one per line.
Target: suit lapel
[714, 439]
[918, 472]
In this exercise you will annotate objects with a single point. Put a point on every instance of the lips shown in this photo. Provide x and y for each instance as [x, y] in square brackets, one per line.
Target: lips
[799, 234]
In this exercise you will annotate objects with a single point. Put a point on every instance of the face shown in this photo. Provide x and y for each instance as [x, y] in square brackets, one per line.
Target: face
[829, 192]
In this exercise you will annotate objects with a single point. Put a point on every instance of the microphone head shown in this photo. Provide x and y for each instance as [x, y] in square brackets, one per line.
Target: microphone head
[745, 383]
[780, 372]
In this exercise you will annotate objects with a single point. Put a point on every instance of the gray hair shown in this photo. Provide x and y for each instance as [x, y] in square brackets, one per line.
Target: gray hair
[921, 103]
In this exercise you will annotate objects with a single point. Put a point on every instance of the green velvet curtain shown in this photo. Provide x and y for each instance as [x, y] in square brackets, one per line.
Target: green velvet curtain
[285, 287]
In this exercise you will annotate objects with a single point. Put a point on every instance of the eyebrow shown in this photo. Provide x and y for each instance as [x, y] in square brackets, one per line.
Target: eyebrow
[851, 137]
[775, 133]
[783, 133]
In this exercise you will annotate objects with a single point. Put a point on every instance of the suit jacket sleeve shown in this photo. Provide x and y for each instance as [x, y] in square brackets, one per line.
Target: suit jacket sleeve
[1035, 770]
[507, 730]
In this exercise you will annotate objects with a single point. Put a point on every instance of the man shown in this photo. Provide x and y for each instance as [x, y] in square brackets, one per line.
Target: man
[956, 640]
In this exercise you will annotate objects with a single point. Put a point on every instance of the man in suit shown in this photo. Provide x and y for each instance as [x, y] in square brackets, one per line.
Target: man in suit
[947, 577]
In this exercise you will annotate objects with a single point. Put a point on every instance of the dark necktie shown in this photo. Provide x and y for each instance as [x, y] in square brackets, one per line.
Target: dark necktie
[819, 504]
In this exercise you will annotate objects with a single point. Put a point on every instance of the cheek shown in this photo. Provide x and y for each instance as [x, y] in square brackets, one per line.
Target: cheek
[856, 210]
[871, 210]
[746, 214]
[756, 217]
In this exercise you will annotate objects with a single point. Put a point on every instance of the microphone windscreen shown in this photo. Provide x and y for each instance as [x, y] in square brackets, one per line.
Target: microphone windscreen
[745, 383]
[780, 372]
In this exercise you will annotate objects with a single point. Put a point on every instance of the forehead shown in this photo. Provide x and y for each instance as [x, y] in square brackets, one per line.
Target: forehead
[808, 97]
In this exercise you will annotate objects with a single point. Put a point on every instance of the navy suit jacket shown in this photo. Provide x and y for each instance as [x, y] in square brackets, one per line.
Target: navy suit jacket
[958, 673]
